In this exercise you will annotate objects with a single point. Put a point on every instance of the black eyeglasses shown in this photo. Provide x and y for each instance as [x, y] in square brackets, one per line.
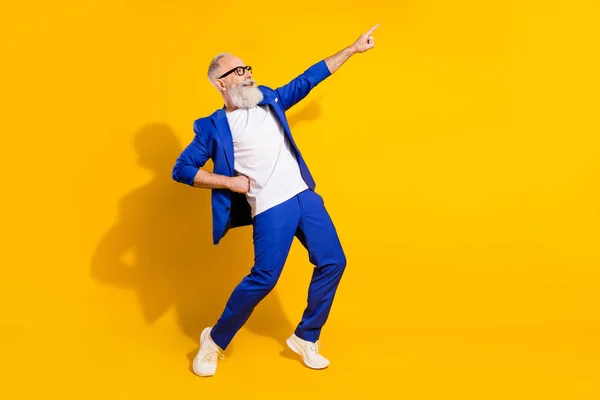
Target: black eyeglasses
[239, 71]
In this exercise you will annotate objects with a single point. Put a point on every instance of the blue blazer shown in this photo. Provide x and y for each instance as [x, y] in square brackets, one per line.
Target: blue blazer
[213, 140]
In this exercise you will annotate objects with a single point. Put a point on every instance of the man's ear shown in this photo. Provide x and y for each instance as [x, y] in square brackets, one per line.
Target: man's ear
[220, 84]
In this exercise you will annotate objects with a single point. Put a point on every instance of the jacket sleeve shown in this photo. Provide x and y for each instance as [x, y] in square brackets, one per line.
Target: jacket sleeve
[300, 86]
[193, 157]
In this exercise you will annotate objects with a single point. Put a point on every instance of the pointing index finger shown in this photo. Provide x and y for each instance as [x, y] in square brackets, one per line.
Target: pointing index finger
[372, 29]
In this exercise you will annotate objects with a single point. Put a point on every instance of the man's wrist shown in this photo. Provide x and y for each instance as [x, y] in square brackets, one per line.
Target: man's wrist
[227, 182]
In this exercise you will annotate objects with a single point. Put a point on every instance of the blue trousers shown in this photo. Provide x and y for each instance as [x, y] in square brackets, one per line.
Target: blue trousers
[303, 216]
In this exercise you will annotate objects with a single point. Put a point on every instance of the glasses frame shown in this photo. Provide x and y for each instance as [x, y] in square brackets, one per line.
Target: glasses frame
[239, 71]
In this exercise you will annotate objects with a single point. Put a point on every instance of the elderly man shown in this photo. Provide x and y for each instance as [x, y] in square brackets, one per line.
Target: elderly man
[261, 179]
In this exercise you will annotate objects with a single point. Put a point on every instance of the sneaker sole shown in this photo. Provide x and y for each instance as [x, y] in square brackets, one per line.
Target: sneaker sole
[202, 339]
[298, 350]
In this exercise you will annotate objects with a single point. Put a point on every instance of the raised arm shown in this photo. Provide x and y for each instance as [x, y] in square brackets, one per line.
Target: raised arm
[300, 86]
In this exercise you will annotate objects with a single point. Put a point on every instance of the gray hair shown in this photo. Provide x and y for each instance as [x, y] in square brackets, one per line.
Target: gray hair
[214, 66]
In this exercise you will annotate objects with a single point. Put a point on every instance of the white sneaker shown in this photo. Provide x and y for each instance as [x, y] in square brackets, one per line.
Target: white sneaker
[205, 362]
[309, 352]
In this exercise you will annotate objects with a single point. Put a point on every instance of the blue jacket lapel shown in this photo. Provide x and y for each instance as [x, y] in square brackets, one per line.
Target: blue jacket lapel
[268, 99]
[225, 136]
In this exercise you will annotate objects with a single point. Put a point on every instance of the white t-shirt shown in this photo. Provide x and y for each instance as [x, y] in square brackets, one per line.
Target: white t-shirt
[263, 153]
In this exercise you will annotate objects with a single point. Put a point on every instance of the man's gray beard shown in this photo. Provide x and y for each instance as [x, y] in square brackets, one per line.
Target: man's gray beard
[245, 96]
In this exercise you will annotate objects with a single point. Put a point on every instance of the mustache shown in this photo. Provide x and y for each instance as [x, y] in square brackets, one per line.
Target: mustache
[248, 82]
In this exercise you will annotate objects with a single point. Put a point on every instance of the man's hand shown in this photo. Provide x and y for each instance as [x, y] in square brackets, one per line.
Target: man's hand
[365, 41]
[239, 184]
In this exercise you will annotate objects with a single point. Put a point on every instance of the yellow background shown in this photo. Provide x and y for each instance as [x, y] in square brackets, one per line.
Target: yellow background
[459, 160]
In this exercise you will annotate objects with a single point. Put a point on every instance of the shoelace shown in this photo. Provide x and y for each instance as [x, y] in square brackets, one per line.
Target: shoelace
[211, 356]
[316, 348]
